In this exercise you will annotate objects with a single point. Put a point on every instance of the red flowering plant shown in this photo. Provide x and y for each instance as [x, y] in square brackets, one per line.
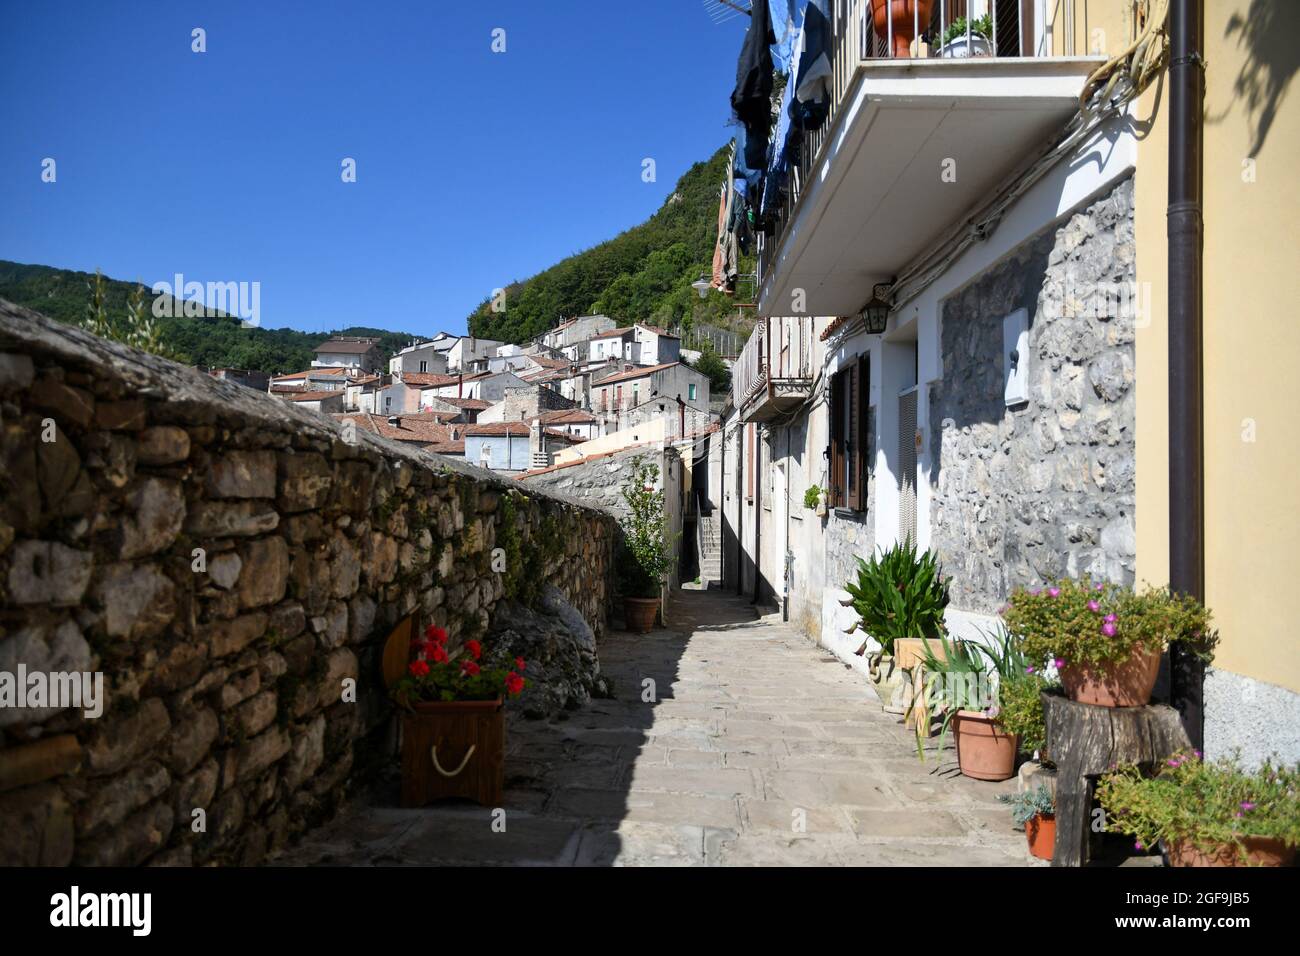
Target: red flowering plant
[438, 674]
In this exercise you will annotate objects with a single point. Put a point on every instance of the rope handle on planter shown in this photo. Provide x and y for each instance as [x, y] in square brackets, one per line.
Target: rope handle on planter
[433, 752]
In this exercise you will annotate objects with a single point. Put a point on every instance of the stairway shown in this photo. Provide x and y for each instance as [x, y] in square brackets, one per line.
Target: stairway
[710, 551]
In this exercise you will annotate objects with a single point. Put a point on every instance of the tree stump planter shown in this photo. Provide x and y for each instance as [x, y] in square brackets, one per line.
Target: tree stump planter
[1086, 741]
[454, 749]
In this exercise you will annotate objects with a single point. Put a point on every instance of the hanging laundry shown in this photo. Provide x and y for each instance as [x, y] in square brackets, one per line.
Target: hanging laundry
[751, 99]
[751, 159]
[787, 16]
[783, 139]
[717, 280]
[812, 94]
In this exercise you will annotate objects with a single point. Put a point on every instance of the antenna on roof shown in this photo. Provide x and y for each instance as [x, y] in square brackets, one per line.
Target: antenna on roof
[720, 11]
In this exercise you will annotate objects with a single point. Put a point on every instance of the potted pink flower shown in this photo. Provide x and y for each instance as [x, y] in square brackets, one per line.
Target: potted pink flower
[1106, 640]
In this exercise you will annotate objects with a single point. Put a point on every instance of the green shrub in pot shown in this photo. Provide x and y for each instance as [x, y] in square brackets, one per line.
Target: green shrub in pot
[898, 593]
[1214, 809]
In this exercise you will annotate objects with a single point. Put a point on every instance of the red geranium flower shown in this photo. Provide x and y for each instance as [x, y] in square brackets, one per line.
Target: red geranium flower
[436, 634]
[514, 683]
[440, 654]
[475, 648]
[519, 663]
[419, 668]
[470, 668]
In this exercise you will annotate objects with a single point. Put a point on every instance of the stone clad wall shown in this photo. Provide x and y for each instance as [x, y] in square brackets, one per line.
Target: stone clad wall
[227, 562]
[1029, 494]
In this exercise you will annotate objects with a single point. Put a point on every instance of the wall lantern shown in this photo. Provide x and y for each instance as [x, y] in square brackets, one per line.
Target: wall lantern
[701, 287]
[876, 312]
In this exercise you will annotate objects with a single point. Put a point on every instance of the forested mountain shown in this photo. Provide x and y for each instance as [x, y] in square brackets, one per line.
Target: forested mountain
[63, 294]
[641, 275]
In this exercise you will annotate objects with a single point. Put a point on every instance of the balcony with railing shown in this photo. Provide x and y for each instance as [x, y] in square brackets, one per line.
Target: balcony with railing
[774, 373]
[927, 114]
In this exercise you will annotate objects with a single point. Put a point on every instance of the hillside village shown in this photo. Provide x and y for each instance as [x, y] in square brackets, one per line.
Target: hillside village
[587, 386]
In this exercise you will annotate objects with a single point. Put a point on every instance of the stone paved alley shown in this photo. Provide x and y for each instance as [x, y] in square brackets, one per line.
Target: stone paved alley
[752, 724]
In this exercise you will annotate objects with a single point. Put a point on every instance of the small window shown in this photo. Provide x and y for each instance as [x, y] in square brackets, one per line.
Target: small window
[424, 366]
[690, 391]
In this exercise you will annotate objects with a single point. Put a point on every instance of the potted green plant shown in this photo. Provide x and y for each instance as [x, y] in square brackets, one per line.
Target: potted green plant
[1104, 640]
[814, 499]
[961, 690]
[1207, 813]
[644, 561]
[959, 43]
[899, 598]
[1035, 810]
[453, 725]
[1020, 702]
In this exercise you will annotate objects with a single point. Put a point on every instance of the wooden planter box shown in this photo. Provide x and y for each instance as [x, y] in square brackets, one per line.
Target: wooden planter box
[909, 655]
[455, 749]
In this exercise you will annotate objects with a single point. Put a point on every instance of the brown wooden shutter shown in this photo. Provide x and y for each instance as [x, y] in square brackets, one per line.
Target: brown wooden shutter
[862, 439]
[836, 469]
[853, 446]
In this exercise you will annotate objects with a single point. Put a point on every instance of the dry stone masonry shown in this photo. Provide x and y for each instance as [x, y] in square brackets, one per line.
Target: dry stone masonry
[230, 564]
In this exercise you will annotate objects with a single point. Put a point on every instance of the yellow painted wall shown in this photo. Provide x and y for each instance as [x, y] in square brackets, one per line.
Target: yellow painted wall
[1252, 337]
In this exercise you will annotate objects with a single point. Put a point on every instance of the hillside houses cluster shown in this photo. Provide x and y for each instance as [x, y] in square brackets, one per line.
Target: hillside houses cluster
[586, 386]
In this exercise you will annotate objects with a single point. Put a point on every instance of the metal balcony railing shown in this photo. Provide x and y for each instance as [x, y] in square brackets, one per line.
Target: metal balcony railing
[776, 363]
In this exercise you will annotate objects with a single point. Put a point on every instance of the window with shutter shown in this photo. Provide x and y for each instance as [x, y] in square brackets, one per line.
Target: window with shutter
[839, 440]
[852, 445]
[863, 443]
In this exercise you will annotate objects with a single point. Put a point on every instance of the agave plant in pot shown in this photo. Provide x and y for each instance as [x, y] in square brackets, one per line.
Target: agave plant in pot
[1207, 813]
[1106, 640]
[644, 562]
[962, 690]
[899, 598]
[453, 724]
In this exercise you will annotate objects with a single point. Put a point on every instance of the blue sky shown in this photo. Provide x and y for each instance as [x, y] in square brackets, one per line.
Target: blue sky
[473, 168]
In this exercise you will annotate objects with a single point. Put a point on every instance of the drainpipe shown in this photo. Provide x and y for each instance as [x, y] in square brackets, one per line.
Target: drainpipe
[785, 596]
[1186, 392]
[758, 519]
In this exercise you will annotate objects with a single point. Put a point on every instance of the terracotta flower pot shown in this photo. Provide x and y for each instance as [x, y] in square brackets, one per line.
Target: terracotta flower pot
[640, 614]
[454, 749]
[1124, 685]
[905, 14]
[1260, 851]
[984, 750]
[1040, 832]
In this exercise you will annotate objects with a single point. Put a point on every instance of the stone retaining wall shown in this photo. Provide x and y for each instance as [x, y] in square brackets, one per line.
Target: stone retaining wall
[231, 564]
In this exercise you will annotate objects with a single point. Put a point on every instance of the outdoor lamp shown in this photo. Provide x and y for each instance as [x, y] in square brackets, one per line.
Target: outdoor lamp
[876, 312]
[702, 286]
